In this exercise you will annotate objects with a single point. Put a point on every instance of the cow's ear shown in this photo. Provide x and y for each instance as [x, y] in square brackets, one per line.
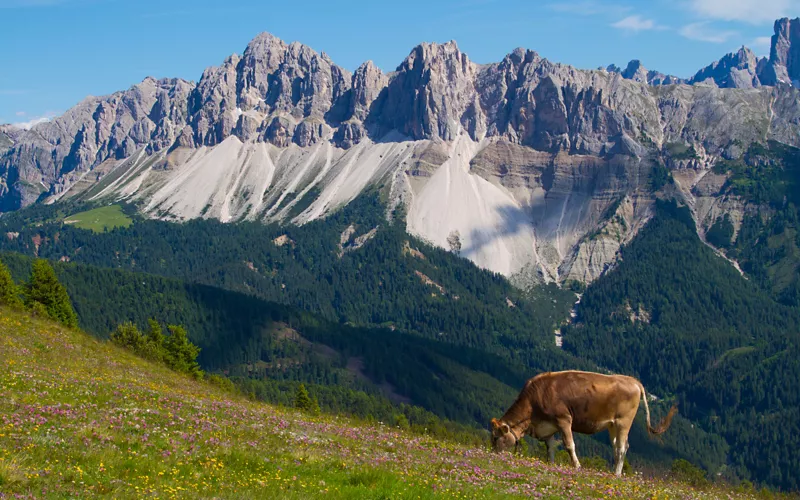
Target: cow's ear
[505, 428]
[495, 424]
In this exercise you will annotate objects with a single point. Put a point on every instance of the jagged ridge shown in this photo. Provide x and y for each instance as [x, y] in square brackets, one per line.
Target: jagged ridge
[540, 168]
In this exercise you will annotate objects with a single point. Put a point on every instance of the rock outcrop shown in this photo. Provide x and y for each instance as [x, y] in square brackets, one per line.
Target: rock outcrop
[541, 168]
[637, 72]
[784, 57]
[736, 70]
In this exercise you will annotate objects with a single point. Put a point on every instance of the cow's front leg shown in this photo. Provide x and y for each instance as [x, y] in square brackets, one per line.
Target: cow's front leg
[551, 448]
[565, 428]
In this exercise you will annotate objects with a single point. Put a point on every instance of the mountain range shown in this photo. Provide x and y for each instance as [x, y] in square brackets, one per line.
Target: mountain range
[529, 168]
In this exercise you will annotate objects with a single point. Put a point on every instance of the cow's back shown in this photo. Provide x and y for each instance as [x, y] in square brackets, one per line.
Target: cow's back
[591, 400]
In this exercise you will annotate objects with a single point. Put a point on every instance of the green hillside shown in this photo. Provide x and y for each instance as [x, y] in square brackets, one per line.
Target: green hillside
[82, 418]
[100, 219]
[269, 349]
[683, 320]
[392, 280]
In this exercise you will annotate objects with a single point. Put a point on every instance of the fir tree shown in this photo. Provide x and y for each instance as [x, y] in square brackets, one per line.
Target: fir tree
[45, 289]
[181, 354]
[9, 292]
[303, 402]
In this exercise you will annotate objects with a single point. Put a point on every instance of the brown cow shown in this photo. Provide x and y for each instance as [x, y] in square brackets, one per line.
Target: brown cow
[576, 401]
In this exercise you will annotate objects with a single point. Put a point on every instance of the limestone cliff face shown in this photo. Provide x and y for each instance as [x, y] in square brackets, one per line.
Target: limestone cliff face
[784, 56]
[54, 155]
[541, 168]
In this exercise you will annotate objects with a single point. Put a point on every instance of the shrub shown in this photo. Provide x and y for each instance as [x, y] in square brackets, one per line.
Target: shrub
[128, 335]
[401, 421]
[175, 350]
[222, 382]
[595, 463]
[686, 472]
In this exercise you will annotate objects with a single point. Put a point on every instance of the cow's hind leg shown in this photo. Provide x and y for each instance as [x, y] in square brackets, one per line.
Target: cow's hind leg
[621, 445]
[612, 434]
[565, 428]
[551, 448]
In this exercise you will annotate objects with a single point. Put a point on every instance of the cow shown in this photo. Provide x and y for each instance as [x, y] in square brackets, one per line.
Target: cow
[575, 401]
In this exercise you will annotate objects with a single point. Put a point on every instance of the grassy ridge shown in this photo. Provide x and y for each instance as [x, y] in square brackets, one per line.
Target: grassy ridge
[82, 417]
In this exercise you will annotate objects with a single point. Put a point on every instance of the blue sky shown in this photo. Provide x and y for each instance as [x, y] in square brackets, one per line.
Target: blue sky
[56, 52]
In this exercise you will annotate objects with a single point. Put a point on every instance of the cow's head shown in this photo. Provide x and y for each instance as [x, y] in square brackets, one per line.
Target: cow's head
[502, 437]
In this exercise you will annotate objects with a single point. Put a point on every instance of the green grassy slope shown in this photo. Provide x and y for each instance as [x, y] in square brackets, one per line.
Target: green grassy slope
[100, 219]
[82, 418]
[268, 348]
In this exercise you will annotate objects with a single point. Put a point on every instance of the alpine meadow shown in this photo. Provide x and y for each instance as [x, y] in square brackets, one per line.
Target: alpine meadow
[292, 280]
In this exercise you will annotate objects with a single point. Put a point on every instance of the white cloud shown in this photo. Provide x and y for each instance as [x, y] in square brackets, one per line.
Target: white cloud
[704, 33]
[20, 113]
[751, 11]
[636, 24]
[27, 125]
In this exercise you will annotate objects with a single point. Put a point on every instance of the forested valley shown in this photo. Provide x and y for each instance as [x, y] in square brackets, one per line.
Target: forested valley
[378, 324]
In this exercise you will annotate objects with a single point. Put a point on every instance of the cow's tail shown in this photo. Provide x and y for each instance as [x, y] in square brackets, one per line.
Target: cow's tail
[664, 425]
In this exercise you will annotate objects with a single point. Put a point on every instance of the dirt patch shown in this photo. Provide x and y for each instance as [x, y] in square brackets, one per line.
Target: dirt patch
[348, 244]
[407, 250]
[430, 282]
[283, 240]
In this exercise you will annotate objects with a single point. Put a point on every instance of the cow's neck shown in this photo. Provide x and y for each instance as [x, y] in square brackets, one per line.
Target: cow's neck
[518, 417]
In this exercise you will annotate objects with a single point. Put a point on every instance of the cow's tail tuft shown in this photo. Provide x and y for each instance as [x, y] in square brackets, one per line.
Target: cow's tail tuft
[664, 425]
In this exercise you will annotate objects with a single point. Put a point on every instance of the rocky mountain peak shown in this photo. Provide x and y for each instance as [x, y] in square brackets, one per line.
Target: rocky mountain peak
[738, 69]
[784, 57]
[368, 82]
[636, 71]
[432, 94]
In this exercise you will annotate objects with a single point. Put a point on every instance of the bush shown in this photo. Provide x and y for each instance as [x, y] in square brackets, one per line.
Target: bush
[595, 463]
[401, 421]
[176, 350]
[128, 335]
[685, 472]
[222, 382]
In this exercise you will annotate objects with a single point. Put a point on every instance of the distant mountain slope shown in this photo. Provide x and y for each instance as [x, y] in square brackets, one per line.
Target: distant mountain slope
[350, 267]
[681, 318]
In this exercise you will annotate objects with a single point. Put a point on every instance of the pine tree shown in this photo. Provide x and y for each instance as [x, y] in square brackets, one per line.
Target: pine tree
[9, 292]
[154, 332]
[181, 354]
[45, 289]
[302, 401]
[154, 342]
